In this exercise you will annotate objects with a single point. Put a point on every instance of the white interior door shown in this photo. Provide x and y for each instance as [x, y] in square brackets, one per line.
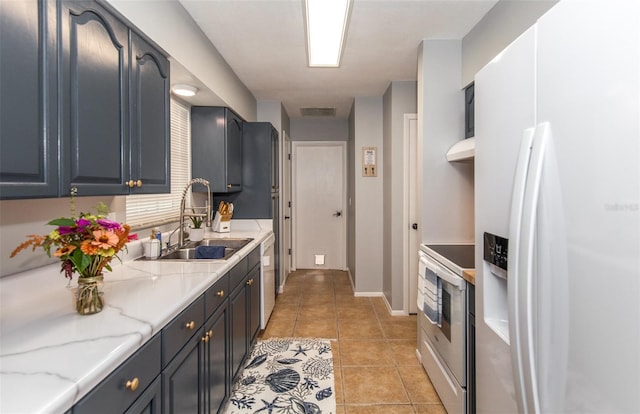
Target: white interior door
[319, 205]
[285, 255]
[412, 183]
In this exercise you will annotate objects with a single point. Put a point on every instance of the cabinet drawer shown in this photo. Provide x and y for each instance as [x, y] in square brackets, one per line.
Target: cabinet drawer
[216, 295]
[180, 329]
[237, 274]
[118, 391]
[253, 258]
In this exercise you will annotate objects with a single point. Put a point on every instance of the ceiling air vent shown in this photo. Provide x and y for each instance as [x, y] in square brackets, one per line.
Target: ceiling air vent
[324, 112]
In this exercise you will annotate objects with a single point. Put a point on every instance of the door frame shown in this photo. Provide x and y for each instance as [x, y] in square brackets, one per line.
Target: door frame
[408, 216]
[294, 218]
[286, 211]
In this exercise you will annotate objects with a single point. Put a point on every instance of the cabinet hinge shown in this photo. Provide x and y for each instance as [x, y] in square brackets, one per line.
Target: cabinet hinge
[289, 156]
[289, 204]
[289, 252]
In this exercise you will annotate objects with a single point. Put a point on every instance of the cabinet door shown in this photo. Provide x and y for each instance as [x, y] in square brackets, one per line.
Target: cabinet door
[150, 402]
[28, 106]
[254, 201]
[94, 82]
[253, 292]
[217, 370]
[150, 146]
[182, 380]
[126, 384]
[238, 335]
[233, 152]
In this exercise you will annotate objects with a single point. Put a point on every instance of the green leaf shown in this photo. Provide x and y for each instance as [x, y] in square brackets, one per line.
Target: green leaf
[62, 221]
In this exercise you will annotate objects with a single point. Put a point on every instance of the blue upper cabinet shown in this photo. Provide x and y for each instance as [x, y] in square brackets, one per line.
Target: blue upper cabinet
[150, 145]
[216, 147]
[94, 48]
[28, 128]
[100, 125]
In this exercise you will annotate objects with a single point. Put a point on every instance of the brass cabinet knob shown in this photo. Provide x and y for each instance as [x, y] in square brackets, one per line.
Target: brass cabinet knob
[220, 293]
[139, 183]
[133, 384]
[205, 338]
[130, 184]
[229, 185]
[210, 333]
[190, 325]
[250, 282]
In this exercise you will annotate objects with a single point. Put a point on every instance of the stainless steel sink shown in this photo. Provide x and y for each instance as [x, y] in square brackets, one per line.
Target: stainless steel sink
[188, 252]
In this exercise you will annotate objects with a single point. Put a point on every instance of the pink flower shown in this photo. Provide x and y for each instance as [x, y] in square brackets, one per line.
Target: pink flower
[109, 225]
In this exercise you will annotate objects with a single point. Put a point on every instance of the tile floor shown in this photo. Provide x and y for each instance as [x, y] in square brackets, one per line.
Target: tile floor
[376, 369]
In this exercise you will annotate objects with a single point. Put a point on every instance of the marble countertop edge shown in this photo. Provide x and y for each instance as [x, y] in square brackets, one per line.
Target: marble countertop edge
[51, 357]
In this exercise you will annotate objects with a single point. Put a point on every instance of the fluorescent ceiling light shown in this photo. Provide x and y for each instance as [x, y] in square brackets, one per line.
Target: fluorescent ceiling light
[184, 90]
[326, 28]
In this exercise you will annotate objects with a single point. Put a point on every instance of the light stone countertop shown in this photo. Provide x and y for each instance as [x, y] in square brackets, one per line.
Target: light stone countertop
[50, 357]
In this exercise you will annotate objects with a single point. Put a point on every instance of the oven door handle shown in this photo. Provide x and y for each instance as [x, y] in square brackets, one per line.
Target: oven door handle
[451, 278]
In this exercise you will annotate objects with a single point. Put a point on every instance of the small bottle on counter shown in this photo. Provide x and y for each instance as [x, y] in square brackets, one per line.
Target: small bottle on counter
[152, 246]
[158, 234]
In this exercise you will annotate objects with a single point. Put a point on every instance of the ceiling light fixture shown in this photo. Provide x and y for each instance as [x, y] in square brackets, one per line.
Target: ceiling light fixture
[327, 22]
[184, 90]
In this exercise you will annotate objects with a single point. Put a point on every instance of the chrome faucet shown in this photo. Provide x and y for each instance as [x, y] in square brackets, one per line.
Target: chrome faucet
[207, 209]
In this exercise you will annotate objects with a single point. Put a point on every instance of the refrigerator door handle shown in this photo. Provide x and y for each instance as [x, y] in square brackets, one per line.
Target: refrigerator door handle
[520, 268]
[513, 282]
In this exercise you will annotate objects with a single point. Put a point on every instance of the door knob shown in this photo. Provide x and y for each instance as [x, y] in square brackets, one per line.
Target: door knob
[414, 226]
[337, 213]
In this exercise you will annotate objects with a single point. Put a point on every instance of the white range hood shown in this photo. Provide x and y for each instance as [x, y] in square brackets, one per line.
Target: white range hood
[464, 150]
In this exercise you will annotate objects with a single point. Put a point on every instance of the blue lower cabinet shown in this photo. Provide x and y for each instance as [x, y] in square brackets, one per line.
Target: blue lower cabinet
[126, 384]
[182, 379]
[190, 365]
[150, 402]
[217, 374]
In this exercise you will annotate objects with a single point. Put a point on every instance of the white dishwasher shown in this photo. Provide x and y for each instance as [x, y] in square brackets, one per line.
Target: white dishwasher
[268, 285]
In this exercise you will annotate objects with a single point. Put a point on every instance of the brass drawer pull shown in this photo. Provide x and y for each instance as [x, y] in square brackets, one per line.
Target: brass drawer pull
[133, 384]
[220, 293]
[190, 325]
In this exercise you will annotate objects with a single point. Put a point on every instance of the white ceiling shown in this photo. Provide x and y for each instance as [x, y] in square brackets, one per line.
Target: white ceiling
[264, 43]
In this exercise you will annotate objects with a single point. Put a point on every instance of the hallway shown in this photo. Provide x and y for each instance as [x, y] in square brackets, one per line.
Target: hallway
[376, 369]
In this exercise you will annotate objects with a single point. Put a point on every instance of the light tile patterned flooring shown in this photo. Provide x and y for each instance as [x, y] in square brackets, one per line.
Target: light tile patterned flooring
[376, 369]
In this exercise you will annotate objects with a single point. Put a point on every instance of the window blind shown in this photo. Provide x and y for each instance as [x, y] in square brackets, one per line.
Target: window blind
[146, 210]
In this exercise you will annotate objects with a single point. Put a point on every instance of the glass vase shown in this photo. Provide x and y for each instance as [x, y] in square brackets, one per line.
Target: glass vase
[89, 295]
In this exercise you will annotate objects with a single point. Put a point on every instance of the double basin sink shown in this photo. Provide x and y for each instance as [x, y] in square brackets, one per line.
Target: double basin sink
[188, 251]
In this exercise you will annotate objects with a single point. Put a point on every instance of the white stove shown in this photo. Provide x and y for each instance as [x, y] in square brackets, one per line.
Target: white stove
[443, 320]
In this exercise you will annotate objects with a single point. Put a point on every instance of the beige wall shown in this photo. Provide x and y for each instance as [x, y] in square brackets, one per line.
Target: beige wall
[367, 195]
[447, 188]
[399, 99]
[173, 29]
[351, 200]
[507, 20]
[319, 129]
[19, 218]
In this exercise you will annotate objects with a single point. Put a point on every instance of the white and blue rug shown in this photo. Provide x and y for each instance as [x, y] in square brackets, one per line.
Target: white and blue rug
[286, 376]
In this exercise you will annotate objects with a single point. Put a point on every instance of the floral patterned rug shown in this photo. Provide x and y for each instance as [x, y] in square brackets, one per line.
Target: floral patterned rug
[286, 376]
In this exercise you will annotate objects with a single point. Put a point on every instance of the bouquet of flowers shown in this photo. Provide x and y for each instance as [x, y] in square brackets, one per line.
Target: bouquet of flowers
[85, 245]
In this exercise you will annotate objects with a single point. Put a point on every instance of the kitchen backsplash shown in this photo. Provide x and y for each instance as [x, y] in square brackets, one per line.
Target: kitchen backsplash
[19, 218]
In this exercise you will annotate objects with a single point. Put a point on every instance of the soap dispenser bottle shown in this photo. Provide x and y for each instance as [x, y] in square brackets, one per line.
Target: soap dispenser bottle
[152, 246]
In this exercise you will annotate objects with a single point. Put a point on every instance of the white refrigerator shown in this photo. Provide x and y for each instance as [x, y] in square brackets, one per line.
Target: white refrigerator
[557, 194]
